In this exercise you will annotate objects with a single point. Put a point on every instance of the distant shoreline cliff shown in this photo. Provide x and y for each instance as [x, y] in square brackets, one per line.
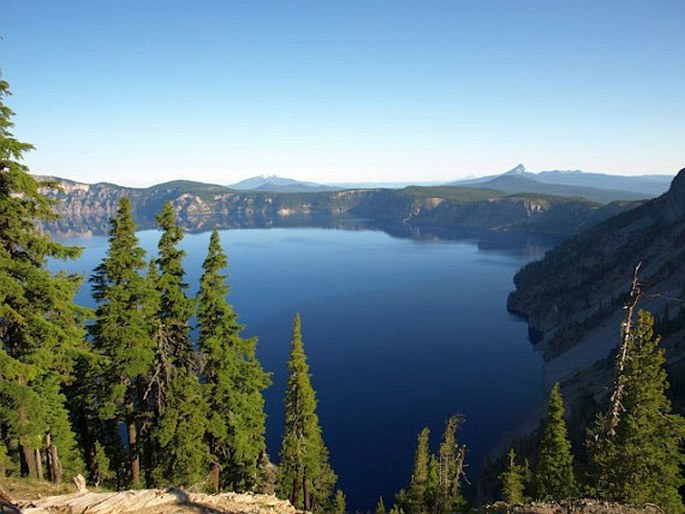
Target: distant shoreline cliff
[85, 209]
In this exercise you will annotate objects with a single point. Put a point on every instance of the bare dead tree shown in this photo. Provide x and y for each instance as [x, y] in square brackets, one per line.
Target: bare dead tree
[162, 375]
[616, 405]
[460, 466]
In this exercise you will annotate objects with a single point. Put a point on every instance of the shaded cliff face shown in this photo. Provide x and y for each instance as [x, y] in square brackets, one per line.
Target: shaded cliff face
[573, 298]
[87, 209]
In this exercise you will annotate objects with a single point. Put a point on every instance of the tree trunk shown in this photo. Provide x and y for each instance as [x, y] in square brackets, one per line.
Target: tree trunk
[214, 471]
[29, 461]
[39, 465]
[55, 470]
[622, 354]
[295, 495]
[134, 458]
[305, 489]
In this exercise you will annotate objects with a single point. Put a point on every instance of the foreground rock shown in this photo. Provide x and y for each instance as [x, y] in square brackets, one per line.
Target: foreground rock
[571, 507]
[157, 501]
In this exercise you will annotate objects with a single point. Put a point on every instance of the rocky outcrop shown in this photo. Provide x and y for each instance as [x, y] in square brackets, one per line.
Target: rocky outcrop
[571, 507]
[157, 501]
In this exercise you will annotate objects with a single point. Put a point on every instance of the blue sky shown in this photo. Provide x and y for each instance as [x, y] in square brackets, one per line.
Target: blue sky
[139, 91]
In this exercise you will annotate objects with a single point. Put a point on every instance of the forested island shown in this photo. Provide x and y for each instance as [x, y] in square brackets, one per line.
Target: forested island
[124, 395]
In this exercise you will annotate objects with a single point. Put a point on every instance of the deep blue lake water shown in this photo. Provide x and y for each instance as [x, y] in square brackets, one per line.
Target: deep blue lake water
[400, 334]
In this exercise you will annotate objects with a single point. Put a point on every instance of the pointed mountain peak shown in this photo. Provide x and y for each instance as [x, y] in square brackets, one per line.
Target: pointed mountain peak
[678, 183]
[518, 170]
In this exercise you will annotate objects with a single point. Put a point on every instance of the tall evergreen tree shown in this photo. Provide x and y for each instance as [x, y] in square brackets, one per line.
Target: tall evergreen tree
[435, 485]
[418, 486]
[181, 456]
[41, 332]
[234, 380]
[513, 480]
[380, 506]
[339, 503]
[305, 476]
[175, 307]
[451, 460]
[637, 456]
[184, 456]
[432, 496]
[554, 474]
[121, 332]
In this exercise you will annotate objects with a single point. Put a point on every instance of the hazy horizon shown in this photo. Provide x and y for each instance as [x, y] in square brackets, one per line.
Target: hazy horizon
[142, 92]
[399, 183]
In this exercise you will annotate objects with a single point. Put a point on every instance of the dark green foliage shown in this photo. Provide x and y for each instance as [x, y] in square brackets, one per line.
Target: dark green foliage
[418, 486]
[234, 380]
[554, 474]
[432, 484]
[175, 308]
[122, 333]
[451, 460]
[183, 458]
[180, 454]
[41, 330]
[304, 474]
[339, 503]
[638, 458]
[513, 480]
[435, 485]
[102, 471]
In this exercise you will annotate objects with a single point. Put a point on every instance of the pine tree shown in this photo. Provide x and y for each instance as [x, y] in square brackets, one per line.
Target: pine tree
[184, 457]
[451, 466]
[554, 474]
[418, 486]
[339, 502]
[435, 485]
[513, 480]
[181, 453]
[175, 308]
[305, 476]
[42, 331]
[380, 506]
[234, 380]
[638, 456]
[431, 498]
[121, 332]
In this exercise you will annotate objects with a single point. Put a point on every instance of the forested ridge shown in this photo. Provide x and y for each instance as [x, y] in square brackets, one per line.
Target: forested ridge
[125, 395]
[87, 208]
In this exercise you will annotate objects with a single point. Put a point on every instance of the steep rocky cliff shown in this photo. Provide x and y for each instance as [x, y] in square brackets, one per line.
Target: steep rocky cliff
[87, 208]
[573, 298]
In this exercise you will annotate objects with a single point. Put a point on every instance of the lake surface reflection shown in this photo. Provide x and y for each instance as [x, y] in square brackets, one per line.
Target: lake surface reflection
[401, 332]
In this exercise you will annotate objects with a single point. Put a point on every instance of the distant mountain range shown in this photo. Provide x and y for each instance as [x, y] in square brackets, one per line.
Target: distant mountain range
[275, 184]
[598, 187]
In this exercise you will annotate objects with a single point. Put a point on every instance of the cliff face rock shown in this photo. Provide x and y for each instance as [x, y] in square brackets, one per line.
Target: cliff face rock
[674, 203]
[573, 298]
[87, 209]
